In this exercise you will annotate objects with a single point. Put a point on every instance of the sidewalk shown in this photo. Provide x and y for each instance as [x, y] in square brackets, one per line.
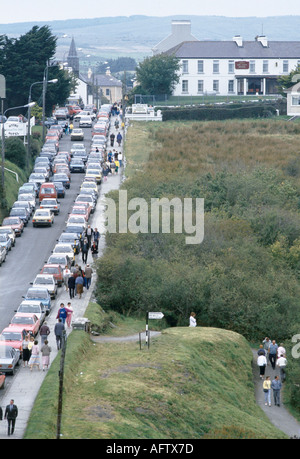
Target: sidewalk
[25, 384]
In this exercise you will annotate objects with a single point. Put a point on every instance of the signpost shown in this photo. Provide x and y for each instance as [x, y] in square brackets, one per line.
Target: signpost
[152, 315]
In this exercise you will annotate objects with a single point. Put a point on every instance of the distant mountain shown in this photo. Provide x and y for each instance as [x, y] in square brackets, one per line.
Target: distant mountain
[134, 36]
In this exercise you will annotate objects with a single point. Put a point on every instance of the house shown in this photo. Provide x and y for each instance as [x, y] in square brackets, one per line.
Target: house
[293, 100]
[180, 31]
[108, 86]
[235, 67]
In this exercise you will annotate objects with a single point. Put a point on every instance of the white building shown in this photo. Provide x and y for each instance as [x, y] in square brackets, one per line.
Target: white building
[235, 67]
[293, 100]
[180, 31]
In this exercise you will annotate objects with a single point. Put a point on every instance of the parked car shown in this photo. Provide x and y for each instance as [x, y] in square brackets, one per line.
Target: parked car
[51, 204]
[48, 281]
[47, 190]
[76, 147]
[75, 228]
[15, 223]
[29, 321]
[87, 199]
[8, 230]
[77, 134]
[80, 154]
[3, 254]
[85, 121]
[63, 178]
[39, 294]
[9, 358]
[77, 220]
[22, 213]
[23, 204]
[13, 337]
[29, 188]
[5, 241]
[61, 113]
[71, 238]
[33, 307]
[56, 271]
[42, 217]
[60, 259]
[63, 248]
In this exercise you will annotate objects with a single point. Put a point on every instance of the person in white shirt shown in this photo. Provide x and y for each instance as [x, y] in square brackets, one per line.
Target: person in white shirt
[281, 363]
[281, 350]
[193, 322]
[262, 363]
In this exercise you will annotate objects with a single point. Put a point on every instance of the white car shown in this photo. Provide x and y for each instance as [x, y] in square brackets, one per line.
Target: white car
[77, 134]
[85, 121]
[48, 281]
[33, 307]
[64, 249]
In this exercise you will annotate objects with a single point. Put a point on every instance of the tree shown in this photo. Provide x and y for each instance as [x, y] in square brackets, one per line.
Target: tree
[158, 74]
[23, 61]
[286, 81]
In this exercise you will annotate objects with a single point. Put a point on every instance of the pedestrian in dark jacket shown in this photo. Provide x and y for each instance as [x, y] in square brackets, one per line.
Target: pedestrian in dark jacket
[71, 286]
[85, 250]
[112, 139]
[11, 413]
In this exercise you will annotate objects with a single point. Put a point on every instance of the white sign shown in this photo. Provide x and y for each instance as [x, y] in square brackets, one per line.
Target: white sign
[15, 129]
[155, 315]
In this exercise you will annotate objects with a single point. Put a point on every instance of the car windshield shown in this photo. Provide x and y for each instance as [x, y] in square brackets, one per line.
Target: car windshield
[11, 336]
[62, 249]
[10, 221]
[43, 280]
[5, 352]
[61, 176]
[18, 211]
[57, 260]
[42, 213]
[3, 237]
[48, 202]
[51, 270]
[22, 320]
[37, 294]
[29, 308]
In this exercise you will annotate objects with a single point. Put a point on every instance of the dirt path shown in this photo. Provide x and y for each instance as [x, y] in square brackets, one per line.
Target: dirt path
[279, 416]
[122, 339]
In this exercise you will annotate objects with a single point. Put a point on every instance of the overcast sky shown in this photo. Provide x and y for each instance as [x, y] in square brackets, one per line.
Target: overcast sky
[43, 10]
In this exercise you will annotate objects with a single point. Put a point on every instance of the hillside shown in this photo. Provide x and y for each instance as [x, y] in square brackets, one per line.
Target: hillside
[134, 36]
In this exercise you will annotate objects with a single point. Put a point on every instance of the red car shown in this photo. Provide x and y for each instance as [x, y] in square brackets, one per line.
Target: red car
[80, 210]
[13, 336]
[56, 272]
[15, 223]
[25, 320]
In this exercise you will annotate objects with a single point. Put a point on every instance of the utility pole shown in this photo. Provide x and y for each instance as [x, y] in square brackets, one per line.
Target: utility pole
[61, 384]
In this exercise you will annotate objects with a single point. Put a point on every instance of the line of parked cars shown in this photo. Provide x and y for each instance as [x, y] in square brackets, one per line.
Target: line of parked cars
[37, 301]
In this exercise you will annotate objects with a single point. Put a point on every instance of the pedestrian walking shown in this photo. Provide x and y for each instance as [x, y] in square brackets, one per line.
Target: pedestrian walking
[276, 386]
[85, 251]
[59, 330]
[88, 276]
[119, 138]
[62, 313]
[45, 351]
[71, 286]
[11, 414]
[262, 363]
[120, 158]
[281, 350]
[89, 234]
[281, 364]
[273, 353]
[112, 139]
[71, 128]
[35, 356]
[66, 275]
[96, 237]
[193, 322]
[267, 390]
[26, 351]
[79, 285]
[94, 250]
[44, 332]
[69, 314]
[261, 351]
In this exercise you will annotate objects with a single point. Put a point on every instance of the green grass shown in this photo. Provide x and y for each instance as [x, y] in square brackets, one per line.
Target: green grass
[191, 383]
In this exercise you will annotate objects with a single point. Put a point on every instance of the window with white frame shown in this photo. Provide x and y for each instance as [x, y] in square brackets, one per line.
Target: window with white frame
[185, 86]
[185, 66]
[216, 85]
[285, 66]
[230, 86]
[200, 85]
[200, 66]
[265, 66]
[216, 66]
[252, 67]
[296, 100]
[230, 66]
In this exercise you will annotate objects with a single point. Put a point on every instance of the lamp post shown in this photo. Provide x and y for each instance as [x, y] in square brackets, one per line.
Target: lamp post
[31, 104]
[28, 127]
[45, 81]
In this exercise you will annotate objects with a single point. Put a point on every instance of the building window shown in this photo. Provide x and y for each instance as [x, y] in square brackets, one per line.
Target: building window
[230, 66]
[200, 66]
[185, 86]
[200, 85]
[295, 100]
[231, 86]
[265, 66]
[252, 67]
[216, 66]
[107, 92]
[185, 66]
[216, 85]
[285, 66]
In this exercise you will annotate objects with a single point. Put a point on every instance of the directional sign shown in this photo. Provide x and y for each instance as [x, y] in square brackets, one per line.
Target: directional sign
[155, 315]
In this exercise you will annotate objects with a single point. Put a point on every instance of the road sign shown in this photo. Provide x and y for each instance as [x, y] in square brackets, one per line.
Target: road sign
[2, 87]
[155, 315]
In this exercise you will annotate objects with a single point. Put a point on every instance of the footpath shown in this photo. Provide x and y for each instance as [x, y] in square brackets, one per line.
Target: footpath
[24, 386]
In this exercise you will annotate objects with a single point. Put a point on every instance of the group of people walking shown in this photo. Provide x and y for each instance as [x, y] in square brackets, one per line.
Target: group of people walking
[270, 353]
[32, 351]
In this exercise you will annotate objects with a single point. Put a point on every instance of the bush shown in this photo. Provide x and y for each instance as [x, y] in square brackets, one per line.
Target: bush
[15, 151]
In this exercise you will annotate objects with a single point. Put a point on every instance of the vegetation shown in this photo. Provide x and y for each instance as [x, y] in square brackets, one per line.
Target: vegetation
[185, 386]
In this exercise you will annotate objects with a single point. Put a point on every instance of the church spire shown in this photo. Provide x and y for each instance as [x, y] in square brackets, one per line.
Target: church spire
[73, 59]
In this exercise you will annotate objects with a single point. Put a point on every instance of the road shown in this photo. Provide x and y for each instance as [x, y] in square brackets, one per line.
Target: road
[33, 248]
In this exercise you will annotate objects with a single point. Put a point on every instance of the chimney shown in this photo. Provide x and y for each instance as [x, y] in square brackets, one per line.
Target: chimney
[263, 40]
[238, 40]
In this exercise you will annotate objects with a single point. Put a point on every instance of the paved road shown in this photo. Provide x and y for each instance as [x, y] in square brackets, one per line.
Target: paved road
[33, 248]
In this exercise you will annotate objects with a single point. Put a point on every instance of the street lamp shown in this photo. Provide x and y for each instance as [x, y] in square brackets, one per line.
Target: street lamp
[28, 127]
[31, 104]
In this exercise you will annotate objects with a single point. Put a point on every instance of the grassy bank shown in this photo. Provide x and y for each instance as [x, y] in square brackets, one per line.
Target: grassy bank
[187, 385]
